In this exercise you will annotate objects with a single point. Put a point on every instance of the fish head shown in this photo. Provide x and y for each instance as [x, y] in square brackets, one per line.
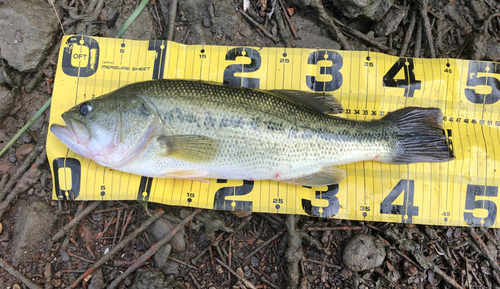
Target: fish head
[108, 129]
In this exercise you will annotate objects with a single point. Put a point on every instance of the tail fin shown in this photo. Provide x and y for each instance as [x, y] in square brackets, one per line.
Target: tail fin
[420, 136]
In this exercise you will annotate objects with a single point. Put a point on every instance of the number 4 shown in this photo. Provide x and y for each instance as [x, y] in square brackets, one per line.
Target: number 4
[407, 209]
[409, 83]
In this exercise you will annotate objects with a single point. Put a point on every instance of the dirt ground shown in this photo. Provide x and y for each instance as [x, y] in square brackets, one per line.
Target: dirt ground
[61, 244]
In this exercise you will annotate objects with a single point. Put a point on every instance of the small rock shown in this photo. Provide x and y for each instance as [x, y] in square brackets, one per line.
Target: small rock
[247, 271]
[56, 282]
[6, 101]
[23, 150]
[26, 138]
[363, 252]
[246, 32]
[3, 80]
[184, 212]
[12, 158]
[171, 268]
[218, 269]
[33, 229]
[275, 277]
[433, 235]
[25, 37]
[37, 125]
[391, 21]
[254, 261]
[478, 9]
[155, 279]
[206, 22]
[97, 280]
[371, 9]
[409, 268]
[162, 227]
[452, 11]
[161, 256]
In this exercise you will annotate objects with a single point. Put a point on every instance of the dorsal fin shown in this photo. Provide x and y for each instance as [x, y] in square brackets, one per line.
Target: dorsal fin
[320, 102]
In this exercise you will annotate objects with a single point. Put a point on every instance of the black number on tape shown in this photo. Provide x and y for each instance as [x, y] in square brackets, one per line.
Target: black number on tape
[232, 69]
[220, 202]
[409, 83]
[61, 181]
[407, 210]
[325, 212]
[490, 83]
[471, 203]
[144, 189]
[80, 56]
[161, 51]
[336, 59]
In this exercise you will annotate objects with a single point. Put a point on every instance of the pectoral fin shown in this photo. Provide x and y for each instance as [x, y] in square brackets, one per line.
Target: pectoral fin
[324, 177]
[190, 148]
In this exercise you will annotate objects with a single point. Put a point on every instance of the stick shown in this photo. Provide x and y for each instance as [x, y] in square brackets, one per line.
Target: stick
[264, 244]
[422, 4]
[75, 221]
[418, 40]
[408, 34]
[285, 35]
[155, 248]
[105, 258]
[12, 271]
[260, 27]
[325, 18]
[241, 278]
[171, 20]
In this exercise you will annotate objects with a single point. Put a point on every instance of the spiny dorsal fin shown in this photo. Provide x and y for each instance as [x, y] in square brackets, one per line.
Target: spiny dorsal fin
[324, 103]
[190, 148]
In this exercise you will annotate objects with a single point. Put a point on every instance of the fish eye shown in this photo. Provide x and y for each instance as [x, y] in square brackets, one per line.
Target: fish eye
[86, 108]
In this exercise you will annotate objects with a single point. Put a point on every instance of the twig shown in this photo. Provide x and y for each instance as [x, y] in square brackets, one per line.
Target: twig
[260, 27]
[126, 221]
[75, 221]
[285, 35]
[287, 18]
[270, 283]
[487, 22]
[426, 264]
[12, 271]
[264, 244]
[105, 258]
[171, 20]
[418, 40]
[243, 223]
[325, 18]
[194, 280]
[334, 228]
[365, 38]
[381, 273]
[132, 17]
[116, 227]
[241, 278]
[408, 34]
[183, 263]
[485, 251]
[322, 263]
[27, 180]
[15, 177]
[422, 5]
[146, 256]
[294, 251]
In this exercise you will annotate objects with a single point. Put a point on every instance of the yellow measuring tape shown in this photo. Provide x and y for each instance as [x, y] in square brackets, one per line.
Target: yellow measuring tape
[369, 85]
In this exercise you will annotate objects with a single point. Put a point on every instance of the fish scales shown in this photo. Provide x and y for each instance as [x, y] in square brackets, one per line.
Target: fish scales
[195, 129]
[261, 134]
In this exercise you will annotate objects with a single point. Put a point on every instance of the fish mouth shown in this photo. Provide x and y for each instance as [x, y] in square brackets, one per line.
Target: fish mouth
[74, 134]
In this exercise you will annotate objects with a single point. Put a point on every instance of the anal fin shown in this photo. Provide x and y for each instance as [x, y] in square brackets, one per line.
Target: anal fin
[323, 177]
[193, 175]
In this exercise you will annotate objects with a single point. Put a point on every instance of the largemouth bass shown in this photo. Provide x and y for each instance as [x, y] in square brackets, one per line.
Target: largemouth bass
[196, 130]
